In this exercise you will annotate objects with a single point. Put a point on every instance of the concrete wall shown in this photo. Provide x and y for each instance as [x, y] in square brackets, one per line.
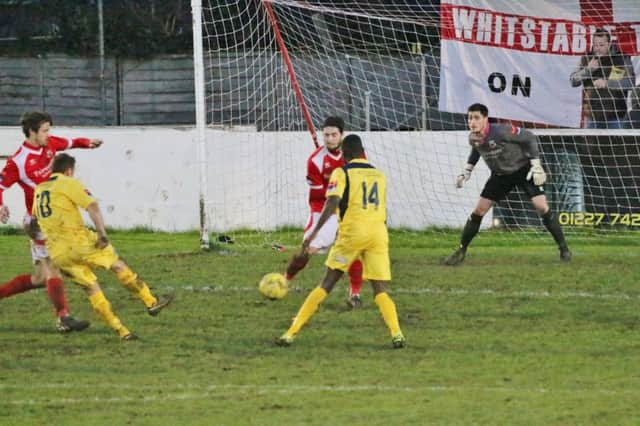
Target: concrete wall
[148, 176]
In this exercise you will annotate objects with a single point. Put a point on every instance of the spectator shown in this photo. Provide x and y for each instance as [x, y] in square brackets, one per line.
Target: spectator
[606, 76]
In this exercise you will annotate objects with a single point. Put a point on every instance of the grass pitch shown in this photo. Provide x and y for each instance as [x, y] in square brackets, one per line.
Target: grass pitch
[513, 336]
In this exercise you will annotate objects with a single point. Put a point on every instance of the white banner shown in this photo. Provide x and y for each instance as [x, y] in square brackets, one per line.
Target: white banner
[514, 85]
[518, 60]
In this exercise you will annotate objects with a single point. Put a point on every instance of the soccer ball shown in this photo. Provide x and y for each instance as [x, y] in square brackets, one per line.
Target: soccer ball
[273, 286]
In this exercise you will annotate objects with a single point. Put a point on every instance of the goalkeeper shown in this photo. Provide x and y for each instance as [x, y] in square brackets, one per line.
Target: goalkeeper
[512, 155]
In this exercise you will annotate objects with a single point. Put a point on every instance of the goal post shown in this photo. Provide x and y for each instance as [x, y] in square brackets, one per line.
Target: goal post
[201, 121]
[401, 74]
[290, 71]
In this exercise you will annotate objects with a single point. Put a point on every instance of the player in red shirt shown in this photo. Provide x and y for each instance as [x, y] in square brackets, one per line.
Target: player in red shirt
[319, 167]
[29, 166]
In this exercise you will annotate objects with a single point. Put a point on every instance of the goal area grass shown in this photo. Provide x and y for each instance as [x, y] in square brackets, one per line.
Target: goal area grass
[512, 336]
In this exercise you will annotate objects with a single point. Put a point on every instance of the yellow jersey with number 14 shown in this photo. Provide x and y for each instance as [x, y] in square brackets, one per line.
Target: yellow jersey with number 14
[363, 195]
[55, 204]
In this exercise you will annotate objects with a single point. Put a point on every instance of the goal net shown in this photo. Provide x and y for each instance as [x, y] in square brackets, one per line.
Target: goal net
[401, 74]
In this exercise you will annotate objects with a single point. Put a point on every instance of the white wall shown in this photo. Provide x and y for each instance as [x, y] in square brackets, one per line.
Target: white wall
[148, 176]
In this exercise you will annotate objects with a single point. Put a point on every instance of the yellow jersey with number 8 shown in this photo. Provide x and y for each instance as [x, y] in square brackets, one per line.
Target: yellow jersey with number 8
[55, 204]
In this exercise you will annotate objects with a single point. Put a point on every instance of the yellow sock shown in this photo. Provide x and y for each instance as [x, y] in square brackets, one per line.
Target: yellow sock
[388, 311]
[130, 280]
[308, 308]
[145, 295]
[103, 308]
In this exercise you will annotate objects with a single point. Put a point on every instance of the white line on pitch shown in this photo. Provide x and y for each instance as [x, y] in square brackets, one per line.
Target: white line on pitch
[438, 291]
[456, 292]
[186, 392]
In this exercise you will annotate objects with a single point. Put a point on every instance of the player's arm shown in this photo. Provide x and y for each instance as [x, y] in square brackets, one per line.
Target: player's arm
[98, 221]
[86, 143]
[8, 176]
[465, 175]
[61, 144]
[529, 143]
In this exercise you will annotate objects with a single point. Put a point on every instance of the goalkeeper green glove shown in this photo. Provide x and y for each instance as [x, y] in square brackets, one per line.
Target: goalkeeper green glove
[536, 173]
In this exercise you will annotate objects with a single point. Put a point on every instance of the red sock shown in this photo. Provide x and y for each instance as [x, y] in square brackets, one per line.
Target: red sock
[55, 288]
[17, 285]
[355, 277]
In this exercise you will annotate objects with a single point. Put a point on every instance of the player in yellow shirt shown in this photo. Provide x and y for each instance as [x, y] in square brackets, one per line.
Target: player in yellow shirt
[358, 192]
[77, 251]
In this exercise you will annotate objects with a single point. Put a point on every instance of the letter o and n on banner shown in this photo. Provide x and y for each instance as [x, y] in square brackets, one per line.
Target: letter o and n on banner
[516, 84]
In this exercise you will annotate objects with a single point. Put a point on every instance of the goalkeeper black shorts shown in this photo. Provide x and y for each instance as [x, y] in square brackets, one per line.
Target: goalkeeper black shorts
[498, 186]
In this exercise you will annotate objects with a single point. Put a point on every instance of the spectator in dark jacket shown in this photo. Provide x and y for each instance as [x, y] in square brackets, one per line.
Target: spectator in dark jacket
[606, 76]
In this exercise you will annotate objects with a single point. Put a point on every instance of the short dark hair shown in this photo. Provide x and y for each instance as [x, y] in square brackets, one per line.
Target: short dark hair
[477, 107]
[334, 121]
[601, 32]
[33, 121]
[352, 147]
[62, 163]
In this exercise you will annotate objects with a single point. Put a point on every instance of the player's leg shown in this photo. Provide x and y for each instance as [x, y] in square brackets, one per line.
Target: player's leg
[323, 240]
[107, 258]
[340, 257]
[82, 275]
[470, 230]
[355, 284]
[310, 305]
[300, 259]
[496, 188]
[389, 313]
[46, 272]
[129, 279]
[298, 262]
[26, 282]
[377, 269]
[102, 308]
[18, 284]
[550, 221]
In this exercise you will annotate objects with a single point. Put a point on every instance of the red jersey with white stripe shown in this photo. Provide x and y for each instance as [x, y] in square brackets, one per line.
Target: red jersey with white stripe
[31, 165]
[319, 167]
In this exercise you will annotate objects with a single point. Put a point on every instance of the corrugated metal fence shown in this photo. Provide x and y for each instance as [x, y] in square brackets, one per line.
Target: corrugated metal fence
[241, 90]
[154, 91]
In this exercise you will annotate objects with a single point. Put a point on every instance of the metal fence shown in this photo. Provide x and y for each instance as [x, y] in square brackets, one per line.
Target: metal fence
[153, 91]
[160, 91]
